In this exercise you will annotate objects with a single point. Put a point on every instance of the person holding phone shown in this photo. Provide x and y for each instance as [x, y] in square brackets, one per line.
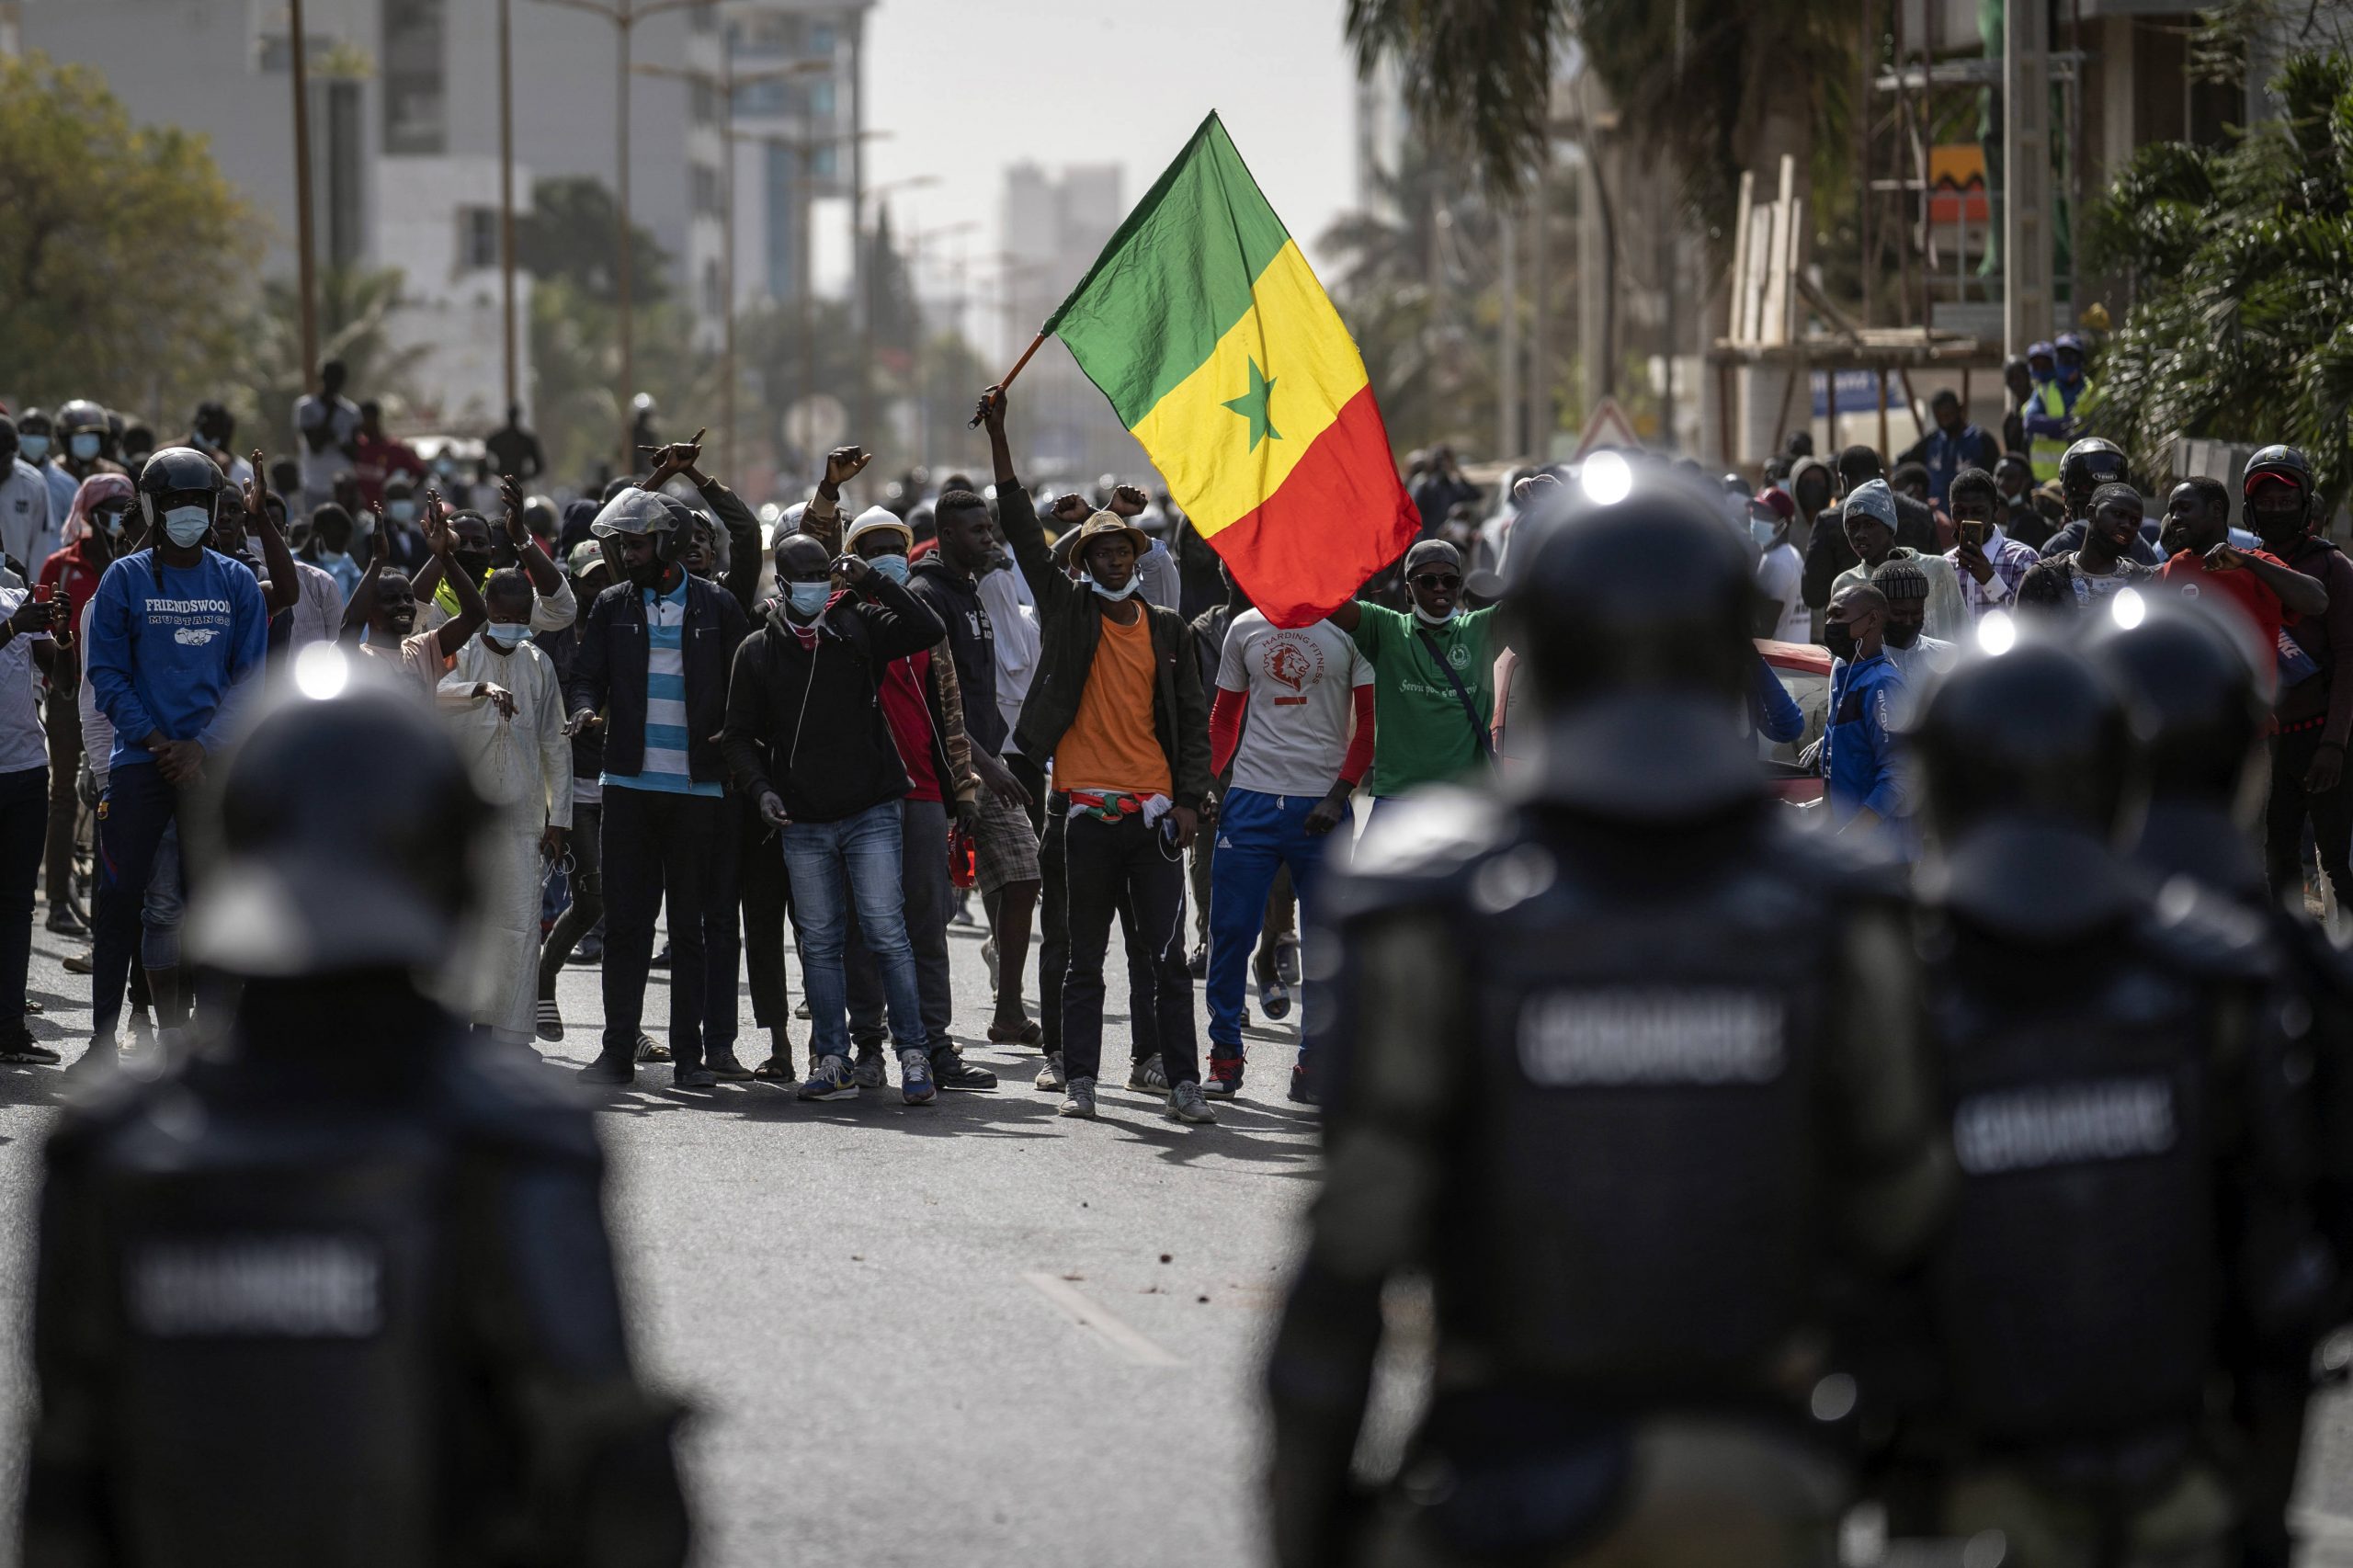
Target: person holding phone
[1988, 562]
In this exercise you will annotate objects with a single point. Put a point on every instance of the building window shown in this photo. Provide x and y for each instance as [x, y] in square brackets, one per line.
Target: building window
[821, 38]
[714, 294]
[820, 99]
[822, 163]
[702, 104]
[762, 98]
[705, 189]
[415, 77]
[477, 238]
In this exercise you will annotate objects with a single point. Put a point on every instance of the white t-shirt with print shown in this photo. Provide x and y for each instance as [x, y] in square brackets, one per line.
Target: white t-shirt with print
[22, 744]
[1302, 684]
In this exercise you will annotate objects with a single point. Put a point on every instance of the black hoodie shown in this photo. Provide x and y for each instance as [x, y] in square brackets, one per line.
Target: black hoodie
[806, 721]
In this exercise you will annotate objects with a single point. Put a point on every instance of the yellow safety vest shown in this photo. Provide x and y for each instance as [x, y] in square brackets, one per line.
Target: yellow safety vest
[2049, 449]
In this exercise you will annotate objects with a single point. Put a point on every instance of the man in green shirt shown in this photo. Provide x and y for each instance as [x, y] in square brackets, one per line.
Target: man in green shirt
[1425, 735]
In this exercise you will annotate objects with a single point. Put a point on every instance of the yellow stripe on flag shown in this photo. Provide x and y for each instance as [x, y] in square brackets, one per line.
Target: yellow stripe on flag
[1282, 374]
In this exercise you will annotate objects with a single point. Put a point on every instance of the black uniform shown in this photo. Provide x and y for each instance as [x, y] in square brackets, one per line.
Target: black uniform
[2113, 1067]
[338, 1291]
[1634, 1073]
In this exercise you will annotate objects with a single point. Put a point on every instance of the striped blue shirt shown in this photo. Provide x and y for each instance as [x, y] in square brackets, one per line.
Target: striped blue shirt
[665, 702]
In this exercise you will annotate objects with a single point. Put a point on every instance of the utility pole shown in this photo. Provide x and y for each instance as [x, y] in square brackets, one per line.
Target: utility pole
[2026, 175]
[1507, 335]
[1540, 346]
[506, 189]
[624, 14]
[306, 268]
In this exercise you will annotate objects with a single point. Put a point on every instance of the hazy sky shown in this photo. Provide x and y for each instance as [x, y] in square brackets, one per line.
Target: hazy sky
[968, 87]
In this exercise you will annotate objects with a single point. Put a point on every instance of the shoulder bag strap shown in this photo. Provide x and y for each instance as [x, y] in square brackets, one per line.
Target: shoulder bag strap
[1470, 708]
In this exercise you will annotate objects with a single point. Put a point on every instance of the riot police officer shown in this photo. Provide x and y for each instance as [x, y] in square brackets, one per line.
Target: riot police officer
[1634, 1072]
[2099, 1051]
[2198, 719]
[338, 1292]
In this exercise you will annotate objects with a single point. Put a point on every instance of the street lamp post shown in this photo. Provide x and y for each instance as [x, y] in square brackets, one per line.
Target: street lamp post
[624, 14]
[507, 191]
[724, 81]
[306, 267]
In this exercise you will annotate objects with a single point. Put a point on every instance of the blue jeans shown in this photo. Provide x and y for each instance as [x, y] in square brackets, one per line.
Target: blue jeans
[139, 809]
[833, 865]
[1257, 834]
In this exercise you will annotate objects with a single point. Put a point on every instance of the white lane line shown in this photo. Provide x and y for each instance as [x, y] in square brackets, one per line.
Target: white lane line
[1074, 1304]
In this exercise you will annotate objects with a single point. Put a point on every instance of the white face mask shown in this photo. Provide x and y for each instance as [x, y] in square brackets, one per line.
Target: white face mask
[184, 525]
[1427, 618]
[1121, 592]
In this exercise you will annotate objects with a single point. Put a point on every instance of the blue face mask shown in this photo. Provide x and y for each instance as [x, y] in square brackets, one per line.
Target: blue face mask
[33, 447]
[1763, 532]
[84, 446]
[400, 511]
[184, 525]
[892, 566]
[507, 635]
[808, 598]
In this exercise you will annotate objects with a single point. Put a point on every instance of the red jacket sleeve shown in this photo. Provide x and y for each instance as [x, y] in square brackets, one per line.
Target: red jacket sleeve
[1225, 728]
[1358, 761]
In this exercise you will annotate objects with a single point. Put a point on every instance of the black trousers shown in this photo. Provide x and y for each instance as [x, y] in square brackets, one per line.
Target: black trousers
[24, 827]
[584, 844]
[139, 806]
[1053, 944]
[658, 844]
[765, 894]
[1106, 865]
[2283, 820]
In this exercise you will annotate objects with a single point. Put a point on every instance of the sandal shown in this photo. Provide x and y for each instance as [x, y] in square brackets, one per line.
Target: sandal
[1028, 1033]
[777, 1070]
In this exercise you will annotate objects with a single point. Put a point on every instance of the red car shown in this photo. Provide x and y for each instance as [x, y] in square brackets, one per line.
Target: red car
[1803, 669]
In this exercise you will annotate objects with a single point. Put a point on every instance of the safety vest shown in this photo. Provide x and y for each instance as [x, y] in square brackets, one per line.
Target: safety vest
[2049, 449]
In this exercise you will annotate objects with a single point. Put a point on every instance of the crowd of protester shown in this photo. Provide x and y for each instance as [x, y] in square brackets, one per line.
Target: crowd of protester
[846, 733]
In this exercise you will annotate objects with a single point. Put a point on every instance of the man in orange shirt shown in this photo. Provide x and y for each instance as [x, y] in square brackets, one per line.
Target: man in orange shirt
[1117, 704]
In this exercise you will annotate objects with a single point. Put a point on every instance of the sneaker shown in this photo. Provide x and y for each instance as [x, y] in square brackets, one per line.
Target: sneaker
[1149, 1075]
[605, 1070]
[589, 951]
[693, 1078]
[915, 1086]
[1187, 1103]
[1198, 966]
[870, 1072]
[660, 960]
[988, 957]
[1050, 1077]
[61, 921]
[651, 1050]
[97, 1062]
[963, 915]
[1078, 1098]
[83, 963]
[829, 1080]
[550, 1016]
[1224, 1080]
[950, 1071]
[1287, 961]
[23, 1052]
[727, 1069]
[1275, 996]
[800, 1010]
[1302, 1091]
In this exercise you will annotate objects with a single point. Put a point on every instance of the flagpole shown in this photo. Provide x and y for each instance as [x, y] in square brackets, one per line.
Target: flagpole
[974, 423]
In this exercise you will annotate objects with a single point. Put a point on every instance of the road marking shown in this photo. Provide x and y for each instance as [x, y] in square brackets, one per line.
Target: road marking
[1075, 1305]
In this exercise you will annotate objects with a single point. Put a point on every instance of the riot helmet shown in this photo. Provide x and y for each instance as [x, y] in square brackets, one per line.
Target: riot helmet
[2196, 711]
[2278, 492]
[2088, 464]
[1632, 614]
[347, 829]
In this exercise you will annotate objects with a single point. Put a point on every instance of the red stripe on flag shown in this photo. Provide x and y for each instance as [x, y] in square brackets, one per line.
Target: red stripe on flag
[1341, 515]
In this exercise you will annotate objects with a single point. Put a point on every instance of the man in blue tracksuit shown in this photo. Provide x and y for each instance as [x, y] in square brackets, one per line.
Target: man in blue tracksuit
[1864, 786]
[175, 630]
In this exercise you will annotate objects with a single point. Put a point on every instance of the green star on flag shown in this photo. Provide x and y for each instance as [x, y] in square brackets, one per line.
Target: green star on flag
[1252, 405]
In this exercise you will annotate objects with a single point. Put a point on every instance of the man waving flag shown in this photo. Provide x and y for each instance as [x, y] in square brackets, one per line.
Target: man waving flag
[1203, 324]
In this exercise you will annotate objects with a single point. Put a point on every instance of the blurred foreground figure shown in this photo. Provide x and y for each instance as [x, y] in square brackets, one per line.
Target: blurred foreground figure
[1634, 1074]
[2114, 1072]
[340, 1293]
[2199, 719]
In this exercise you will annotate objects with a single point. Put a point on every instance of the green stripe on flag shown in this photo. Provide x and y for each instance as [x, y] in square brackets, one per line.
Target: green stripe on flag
[1174, 277]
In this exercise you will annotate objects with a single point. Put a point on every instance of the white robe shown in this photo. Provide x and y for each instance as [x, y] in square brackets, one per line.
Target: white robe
[523, 766]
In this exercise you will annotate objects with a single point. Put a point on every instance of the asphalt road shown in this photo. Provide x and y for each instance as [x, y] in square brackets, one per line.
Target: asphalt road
[966, 1333]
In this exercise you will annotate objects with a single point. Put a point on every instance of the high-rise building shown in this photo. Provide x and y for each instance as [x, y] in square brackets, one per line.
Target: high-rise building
[1054, 225]
[796, 134]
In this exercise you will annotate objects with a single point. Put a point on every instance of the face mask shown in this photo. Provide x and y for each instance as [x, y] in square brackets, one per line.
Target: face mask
[401, 511]
[474, 564]
[32, 448]
[892, 566]
[1427, 618]
[1900, 636]
[808, 600]
[84, 446]
[1839, 640]
[1121, 592]
[184, 525]
[506, 633]
[1762, 532]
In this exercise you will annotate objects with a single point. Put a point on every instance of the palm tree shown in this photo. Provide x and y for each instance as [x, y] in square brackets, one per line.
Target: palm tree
[2241, 265]
[356, 305]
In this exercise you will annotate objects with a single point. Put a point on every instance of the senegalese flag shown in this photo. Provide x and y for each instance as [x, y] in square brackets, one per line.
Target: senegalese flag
[1206, 328]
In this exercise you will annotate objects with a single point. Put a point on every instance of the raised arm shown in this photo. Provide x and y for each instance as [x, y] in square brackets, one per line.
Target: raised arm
[285, 582]
[471, 612]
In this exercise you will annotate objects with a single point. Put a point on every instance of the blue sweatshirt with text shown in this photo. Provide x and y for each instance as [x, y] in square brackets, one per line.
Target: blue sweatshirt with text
[169, 655]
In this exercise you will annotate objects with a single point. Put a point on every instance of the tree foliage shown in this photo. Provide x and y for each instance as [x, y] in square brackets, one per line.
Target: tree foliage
[124, 253]
[354, 307]
[2241, 264]
[569, 233]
